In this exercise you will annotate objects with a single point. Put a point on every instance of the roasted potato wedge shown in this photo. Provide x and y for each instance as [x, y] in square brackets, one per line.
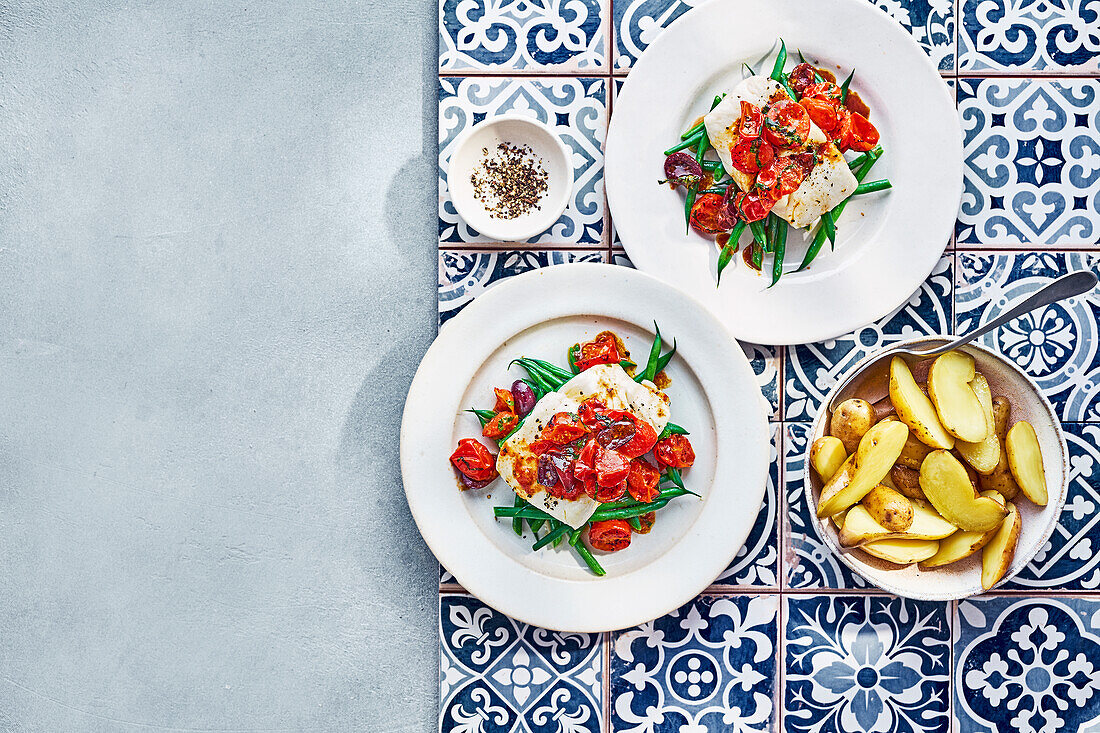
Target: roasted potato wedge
[827, 454]
[850, 421]
[889, 508]
[902, 552]
[906, 480]
[998, 553]
[983, 455]
[956, 404]
[1025, 460]
[962, 544]
[877, 452]
[915, 409]
[860, 527]
[946, 484]
[839, 518]
[1000, 480]
[914, 452]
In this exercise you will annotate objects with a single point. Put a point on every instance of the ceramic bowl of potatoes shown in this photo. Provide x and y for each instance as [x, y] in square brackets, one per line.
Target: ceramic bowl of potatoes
[937, 478]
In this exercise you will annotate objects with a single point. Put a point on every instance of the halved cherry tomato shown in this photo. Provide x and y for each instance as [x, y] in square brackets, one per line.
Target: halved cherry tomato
[807, 161]
[826, 115]
[610, 535]
[864, 135]
[610, 493]
[826, 91]
[752, 206]
[601, 350]
[786, 125]
[842, 135]
[591, 487]
[612, 468]
[751, 123]
[505, 401]
[564, 427]
[643, 480]
[707, 214]
[593, 414]
[782, 177]
[801, 78]
[474, 460]
[749, 156]
[584, 468]
[500, 425]
[674, 451]
[646, 522]
[644, 436]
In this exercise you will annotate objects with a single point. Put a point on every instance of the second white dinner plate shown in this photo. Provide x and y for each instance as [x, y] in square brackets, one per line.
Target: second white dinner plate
[887, 243]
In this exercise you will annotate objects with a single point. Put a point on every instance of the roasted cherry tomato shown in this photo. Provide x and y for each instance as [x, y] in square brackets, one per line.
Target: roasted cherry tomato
[593, 414]
[643, 480]
[826, 115]
[646, 522]
[842, 135]
[601, 350]
[864, 135]
[674, 451]
[782, 177]
[801, 78]
[610, 535]
[749, 156]
[826, 91]
[564, 427]
[612, 468]
[506, 402]
[474, 460]
[752, 206]
[610, 493]
[707, 215]
[501, 424]
[786, 125]
[585, 465]
[644, 436]
[751, 123]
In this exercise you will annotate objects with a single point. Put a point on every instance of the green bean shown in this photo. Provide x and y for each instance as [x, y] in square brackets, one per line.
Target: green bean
[844, 87]
[571, 356]
[676, 478]
[654, 354]
[574, 537]
[746, 67]
[757, 229]
[819, 238]
[672, 429]
[856, 162]
[724, 258]
[669, 493]
[689, 202]
[692, 132]
[594, 566]
[535, 525]
[635, 524]
[665, 359]
[535, 379]
[872, 186]
[553, 369]
[828, 223]
[627, 364]
[712, 165]
[688, 143]
[718, 190]
[517, 523]
[483, 416]
[777, 70]
[601, 515]
[521, 510]
[780, 250]
[757, 255]
[551, 536]
[553, 376]
[717, 99]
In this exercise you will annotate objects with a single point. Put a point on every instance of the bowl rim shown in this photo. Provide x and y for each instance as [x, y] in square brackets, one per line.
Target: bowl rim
[548, 215]
[816, 427]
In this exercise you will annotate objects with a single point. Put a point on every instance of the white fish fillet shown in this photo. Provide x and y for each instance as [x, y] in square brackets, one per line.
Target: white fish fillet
[829, 183]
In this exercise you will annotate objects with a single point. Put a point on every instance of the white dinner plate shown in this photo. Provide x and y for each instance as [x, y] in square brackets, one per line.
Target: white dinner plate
[887, 243]
[713, 394]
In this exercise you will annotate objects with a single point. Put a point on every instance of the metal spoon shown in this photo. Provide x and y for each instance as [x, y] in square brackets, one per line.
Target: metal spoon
[1064, 287]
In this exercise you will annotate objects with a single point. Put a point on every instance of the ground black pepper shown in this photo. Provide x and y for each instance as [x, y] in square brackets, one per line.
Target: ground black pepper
[511, 183]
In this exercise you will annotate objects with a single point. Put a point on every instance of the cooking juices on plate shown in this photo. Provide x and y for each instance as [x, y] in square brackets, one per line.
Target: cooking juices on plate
[573, 446]
[780, 142]
[929, 474]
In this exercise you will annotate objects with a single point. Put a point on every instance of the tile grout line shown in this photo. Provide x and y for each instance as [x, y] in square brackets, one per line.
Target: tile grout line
[953, 614]
[781, 572]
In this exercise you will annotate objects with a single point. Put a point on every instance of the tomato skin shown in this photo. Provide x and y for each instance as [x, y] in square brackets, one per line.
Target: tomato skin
[642, 483]
[826, 115]
[801, 78]
[675, 451]
[751, 123]
[842, 136]
[612, 468]
[500, 425]
[826, 91]
[505, 401]
[786, 125]
[610, 535]
[601, 350]
[593, 414]
[644, 437]
[473, 460]
[563, 428]
[706, 214]
[749, 156]
[863, 135]
[752, 206]
[610, 493]
[646, 521]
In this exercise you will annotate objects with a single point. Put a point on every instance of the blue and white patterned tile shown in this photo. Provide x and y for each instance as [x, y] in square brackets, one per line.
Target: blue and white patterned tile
[764, 360]
[1057, 345]
[1027, 665]
[811, 370]
[577, 110]
[710, 665]
[757, 562]
[1070, 560]
[465, 274]
[512, 35]
[497, 674]
[1029, 35]
[808, 562]
[639, 22]
[1032, 174]
[866, 663]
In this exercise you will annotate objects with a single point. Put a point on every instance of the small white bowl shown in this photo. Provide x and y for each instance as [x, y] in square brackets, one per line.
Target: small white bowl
[556, 158]
[963, 578]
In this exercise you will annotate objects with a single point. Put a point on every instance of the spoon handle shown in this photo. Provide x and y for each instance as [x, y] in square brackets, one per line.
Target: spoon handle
[1064, 287]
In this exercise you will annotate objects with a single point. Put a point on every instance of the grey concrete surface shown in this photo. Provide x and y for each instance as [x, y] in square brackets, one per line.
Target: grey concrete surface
[217, 268]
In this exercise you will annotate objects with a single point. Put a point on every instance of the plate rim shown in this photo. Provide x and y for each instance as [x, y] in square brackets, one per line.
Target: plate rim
[590, 605]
